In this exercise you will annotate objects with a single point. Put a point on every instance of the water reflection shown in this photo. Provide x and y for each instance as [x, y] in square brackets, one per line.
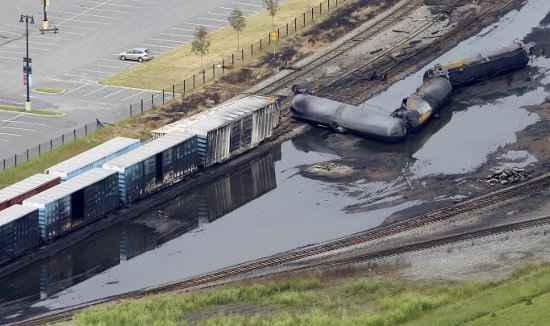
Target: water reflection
[109, 248]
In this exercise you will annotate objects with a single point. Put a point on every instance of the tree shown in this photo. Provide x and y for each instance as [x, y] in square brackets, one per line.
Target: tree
[237, 21]
[272, 7]
[200, 44]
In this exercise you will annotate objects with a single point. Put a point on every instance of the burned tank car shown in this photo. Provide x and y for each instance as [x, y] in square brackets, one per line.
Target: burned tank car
[427, 100]
[348, 118]
[483, 66]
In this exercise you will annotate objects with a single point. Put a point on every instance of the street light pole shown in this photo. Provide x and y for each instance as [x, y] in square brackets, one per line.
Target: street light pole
[27, 68]
[45, 20]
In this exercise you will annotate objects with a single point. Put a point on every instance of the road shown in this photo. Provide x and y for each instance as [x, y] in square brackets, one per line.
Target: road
[91, 32]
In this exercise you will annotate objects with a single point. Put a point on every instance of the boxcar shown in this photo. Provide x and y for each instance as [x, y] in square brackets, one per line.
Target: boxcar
[16, 193]
[18, 231]
[93, 158]
[160, 162]
[229, 129]
[76, 202]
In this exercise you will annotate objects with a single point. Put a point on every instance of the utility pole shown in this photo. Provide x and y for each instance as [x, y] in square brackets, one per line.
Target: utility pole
[45, 20]
[27, 69]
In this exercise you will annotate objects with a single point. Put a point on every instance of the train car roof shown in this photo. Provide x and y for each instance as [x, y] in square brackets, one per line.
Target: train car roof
[25, 186]
[13, 213]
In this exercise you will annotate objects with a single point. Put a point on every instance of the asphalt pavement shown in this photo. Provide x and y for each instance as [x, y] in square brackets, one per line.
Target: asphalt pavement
[83, 52]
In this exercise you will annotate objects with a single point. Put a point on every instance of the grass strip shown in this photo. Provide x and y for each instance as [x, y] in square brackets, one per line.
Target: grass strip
[16, 108]
[521, 299]
[49, 90]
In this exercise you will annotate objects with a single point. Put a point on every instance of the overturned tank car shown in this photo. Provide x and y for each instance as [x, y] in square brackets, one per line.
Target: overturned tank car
[348, 118]
[416, 109]
[467, 71]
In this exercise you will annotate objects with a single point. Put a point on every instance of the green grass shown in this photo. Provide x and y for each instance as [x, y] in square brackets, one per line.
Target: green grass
[521, 299]
[128, 128]
[172, 67]
[49, 90]
[17, 108]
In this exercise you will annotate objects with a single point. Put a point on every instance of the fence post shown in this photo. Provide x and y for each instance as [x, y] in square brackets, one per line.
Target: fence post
[295, 24]
[63, 139]
[15, 160]
[312, 18]
[152, 100]
[223, 66]
[39, 149]
[184, 88]
[131, 113]
[278, 34]
[85, 130]
[51, 145]
[27, 154]
[74, 133]
[204, 76]
[328, 5]
[320, 9]
[232, 58]
[286, 29]
[336, 3]
[304, 19]
[174, 89]
[260, 44]
[163, 96]
[214, 71]
[141, 105]
[242, 55]
[4, 164]
[269, 38]
[194, 79]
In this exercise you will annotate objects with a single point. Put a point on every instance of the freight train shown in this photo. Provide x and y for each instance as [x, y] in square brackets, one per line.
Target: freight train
[415, 110]
[120, 172]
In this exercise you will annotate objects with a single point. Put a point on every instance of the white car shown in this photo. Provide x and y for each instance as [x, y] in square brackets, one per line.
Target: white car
[137, 54]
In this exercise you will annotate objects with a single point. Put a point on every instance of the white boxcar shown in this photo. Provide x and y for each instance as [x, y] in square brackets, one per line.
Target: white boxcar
[93, 158]
[230, 128]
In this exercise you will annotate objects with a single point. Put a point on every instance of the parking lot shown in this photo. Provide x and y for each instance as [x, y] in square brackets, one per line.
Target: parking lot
[84, 51]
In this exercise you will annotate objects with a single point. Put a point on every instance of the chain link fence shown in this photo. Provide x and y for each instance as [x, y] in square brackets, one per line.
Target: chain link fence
[236, 59]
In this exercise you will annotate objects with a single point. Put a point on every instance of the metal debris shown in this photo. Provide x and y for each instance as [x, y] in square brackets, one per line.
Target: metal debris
[506, 176]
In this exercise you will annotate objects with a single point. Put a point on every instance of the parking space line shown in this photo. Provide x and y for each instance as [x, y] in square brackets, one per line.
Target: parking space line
[84, 70]
[76, 89]
[167, 40]
[205, 25]
[93, 22]
[152, 45]
[9, 58]
[120, 12]
[244, 10]
[100, 88]
[115, 93]
[179, 35]
[183, 29]
[10, 134]
[5, 141]
[72, 13]
[248, 4]
[213, 19]
[16, 128]
[129, 97]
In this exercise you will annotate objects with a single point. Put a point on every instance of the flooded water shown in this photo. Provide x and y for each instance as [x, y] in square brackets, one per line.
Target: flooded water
[474, 131]
[268, 206]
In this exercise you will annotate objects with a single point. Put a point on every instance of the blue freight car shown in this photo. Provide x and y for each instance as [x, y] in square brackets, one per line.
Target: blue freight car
[160, 162]
[18, 231]
[76, 202]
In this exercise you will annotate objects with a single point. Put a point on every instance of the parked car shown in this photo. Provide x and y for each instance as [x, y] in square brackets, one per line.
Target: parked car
[137, 54]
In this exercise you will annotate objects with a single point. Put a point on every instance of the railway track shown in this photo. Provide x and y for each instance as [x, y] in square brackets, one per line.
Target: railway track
[533, 186]
[340, 50]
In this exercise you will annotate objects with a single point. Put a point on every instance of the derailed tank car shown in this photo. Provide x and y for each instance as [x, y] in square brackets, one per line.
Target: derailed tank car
[162, 161]
[417, 109]
[483, 66]
[76, 202]
[348, 118]
[18, 231]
